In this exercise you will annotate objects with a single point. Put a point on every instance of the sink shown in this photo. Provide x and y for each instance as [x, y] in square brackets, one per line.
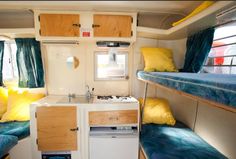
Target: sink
[76, 100]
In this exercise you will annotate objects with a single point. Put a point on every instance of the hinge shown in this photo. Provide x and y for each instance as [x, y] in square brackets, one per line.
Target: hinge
[35, 114]
[37, 141]
[132, 20]
[39, 18]
[131, 33]
[39, 31]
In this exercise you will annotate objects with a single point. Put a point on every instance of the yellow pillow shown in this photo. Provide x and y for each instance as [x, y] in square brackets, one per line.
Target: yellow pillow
[200, 8]
[157, 111]
[18, 105]
[158, 59]
[3, 101]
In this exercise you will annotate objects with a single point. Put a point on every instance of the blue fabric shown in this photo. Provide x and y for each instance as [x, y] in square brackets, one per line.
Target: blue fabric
[29, 62]
[6, 143]
[220, 88]
[1, 60]
[175, 142]
[18, 129]
[198, 47]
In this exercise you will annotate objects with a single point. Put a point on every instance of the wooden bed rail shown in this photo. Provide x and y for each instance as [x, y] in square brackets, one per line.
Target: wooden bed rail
[198, 99]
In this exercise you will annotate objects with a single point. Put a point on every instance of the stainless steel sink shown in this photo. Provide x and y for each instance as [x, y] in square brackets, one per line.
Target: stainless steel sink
[76, 100]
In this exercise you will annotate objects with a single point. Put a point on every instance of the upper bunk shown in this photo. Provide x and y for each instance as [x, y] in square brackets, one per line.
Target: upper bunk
[216, 89]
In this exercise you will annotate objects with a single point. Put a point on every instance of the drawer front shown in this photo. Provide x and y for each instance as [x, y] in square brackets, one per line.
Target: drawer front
[113, 117]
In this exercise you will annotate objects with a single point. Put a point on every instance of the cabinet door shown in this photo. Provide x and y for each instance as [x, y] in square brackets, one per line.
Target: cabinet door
[57, 128]
[66, 25]
[112, 25]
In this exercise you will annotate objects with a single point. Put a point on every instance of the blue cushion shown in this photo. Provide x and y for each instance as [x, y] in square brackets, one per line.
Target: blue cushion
[175, 142]
[18, 129]
[216, 87]
[6, 143]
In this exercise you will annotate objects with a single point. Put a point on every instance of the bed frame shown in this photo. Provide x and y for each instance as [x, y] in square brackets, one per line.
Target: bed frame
[198, 99]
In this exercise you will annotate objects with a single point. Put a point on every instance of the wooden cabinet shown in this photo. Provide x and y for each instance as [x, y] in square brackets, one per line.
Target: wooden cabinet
[63, 25]
[112, 25]
[56, 128]
[113, 117]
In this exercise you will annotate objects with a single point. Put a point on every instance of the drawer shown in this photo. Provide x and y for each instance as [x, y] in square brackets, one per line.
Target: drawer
[113, 117]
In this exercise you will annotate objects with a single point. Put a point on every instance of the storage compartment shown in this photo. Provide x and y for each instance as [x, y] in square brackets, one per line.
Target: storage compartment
[113, 117]
[113, 143]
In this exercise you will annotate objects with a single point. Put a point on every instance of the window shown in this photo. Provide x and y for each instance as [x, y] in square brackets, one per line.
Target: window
[222, 57]
[10, 72]
[111, 66]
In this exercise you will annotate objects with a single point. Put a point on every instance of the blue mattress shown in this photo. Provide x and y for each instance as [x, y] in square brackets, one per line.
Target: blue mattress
[175, 142]
[18, 129]
[220, 88]
[6, 143]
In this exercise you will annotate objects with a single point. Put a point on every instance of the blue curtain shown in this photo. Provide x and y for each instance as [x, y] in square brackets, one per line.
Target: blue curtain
[198, 47]
[29, 62]
[1, 60]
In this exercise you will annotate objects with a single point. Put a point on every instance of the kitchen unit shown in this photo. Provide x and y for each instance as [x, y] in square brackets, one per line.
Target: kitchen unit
[78, 127]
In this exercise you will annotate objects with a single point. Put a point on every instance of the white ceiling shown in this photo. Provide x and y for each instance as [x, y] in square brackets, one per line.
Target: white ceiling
[179, 7]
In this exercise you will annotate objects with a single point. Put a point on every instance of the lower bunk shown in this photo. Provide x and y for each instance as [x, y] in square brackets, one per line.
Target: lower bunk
[174, 142]
[10, 134]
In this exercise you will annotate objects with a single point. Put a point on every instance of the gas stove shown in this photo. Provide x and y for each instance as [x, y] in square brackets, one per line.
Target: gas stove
[114, 99]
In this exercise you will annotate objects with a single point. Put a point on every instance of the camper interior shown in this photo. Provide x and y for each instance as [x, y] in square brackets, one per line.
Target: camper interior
[117, 79]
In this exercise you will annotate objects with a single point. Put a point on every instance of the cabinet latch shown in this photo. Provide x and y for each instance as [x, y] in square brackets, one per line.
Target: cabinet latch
[76, 25]
[35, 115]
[131, 33]
[37, 142]
[39, 18]
[95, 25]
[75, 129]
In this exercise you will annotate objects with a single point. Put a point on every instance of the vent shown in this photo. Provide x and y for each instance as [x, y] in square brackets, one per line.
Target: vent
[226, 15]
[112, 44]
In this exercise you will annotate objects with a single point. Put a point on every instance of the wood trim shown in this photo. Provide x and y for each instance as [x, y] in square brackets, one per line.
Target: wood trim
[113, 117]
[142, 154]
[199, 99]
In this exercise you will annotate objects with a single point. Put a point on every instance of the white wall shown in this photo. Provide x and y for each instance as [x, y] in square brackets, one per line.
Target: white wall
[178, 48]
[61, 80]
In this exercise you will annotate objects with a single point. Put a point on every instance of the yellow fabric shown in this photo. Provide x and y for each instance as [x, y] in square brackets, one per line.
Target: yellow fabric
[200, 8]
[157, 111]
[3, 101]
[18, 105]
[158, 59]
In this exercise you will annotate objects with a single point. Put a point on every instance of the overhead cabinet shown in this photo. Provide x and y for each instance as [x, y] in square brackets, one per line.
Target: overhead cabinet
[64, 25]
[112, 25]
[79, 26]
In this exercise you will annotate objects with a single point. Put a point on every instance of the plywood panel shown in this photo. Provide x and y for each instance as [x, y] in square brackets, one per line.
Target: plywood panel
[66, 25]
[113, 117]
[112, 25]
[54, 126]
[217, 126]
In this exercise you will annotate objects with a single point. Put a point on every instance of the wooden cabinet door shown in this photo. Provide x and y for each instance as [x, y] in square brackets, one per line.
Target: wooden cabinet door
[112, 25]
[57, 128]
[65, 25]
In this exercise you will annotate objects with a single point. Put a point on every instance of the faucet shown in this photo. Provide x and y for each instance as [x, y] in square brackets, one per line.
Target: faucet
[89, 94]
[72, 95]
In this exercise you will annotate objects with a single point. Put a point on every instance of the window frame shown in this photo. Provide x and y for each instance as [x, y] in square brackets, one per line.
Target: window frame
[126, 76]
[210, 57]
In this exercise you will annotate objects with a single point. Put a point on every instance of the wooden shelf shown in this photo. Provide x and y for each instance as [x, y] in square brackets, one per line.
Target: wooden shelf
[198, 22]
[18, 32]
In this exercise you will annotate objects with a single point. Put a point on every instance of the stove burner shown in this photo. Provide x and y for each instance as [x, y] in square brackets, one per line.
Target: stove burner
[104, 97]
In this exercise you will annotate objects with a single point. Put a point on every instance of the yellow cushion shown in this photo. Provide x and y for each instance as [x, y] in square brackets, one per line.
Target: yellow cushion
[18, 105]
[3, 101]
[200, 8]
[157, 111]
[158, 59]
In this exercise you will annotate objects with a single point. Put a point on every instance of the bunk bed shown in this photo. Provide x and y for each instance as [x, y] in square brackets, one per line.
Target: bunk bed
[216, 89]
[179, 141]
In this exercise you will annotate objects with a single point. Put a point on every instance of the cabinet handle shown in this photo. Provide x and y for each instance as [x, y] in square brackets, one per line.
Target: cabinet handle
[95, 25]
[113, 118]
[75, 129]
[76, 25]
